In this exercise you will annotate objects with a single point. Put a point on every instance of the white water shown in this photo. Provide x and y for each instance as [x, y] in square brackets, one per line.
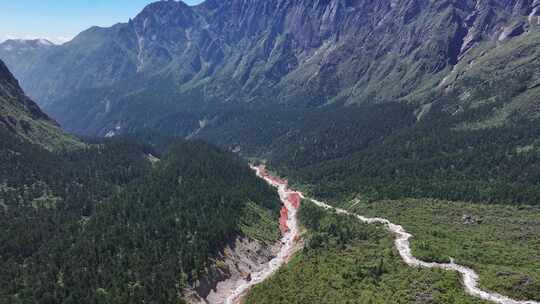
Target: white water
[285, 252]
[470, 277]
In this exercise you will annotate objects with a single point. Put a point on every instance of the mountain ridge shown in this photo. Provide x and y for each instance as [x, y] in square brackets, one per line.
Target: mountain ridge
[281, 53]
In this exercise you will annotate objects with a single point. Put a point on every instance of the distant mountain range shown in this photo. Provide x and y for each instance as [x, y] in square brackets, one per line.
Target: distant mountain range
[178, 68]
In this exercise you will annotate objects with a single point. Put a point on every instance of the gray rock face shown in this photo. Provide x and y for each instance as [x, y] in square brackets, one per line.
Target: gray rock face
[512, 31]
[282, 52]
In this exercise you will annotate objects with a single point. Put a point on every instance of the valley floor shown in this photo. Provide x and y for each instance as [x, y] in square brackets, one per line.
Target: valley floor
[347, 261]
[500, 242]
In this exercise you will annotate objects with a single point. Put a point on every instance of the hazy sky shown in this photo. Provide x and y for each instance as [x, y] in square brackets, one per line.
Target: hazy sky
[60, 20]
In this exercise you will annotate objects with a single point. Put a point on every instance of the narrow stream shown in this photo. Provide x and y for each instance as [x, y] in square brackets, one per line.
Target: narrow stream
[470, 277]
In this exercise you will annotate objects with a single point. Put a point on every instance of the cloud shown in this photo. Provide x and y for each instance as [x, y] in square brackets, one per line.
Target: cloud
[55, 40]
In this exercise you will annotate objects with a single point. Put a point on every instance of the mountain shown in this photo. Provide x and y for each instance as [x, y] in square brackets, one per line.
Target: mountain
[24, 52]
[13, 48]
[177, 67]
[21, 116]
[425, 111]
[92, 224]
[16, 48]
[381, 99]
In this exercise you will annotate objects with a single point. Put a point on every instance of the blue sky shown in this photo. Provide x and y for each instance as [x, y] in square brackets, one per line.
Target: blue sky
[60, 20]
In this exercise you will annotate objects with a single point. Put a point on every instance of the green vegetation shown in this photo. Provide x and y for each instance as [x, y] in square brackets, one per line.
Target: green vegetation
[103, 224]
[259, 223]
[502, 77]
[21, 116]
[500, 242]
[346, 261]
[297, 138]
[382, 152]
[425, 160]
[431, 158]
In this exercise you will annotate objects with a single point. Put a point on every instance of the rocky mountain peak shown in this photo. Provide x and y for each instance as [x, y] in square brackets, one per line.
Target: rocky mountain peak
[163, 30]
[164, 11]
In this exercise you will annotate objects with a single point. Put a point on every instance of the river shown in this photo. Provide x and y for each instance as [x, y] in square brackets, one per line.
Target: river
[291, 203]
[290, 236]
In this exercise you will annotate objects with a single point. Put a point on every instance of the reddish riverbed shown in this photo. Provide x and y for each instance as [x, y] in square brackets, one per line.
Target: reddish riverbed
[288, 224]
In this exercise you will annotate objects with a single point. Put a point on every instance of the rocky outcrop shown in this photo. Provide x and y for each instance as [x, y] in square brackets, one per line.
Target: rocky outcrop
[235, 263]
[512, 31]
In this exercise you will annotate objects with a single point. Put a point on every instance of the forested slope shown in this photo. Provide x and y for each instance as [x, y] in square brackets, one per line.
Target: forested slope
[119, 220]
[372, 152]
[106, 224]
[433, 158]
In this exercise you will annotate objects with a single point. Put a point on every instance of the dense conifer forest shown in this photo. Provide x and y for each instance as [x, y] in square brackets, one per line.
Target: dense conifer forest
[119, 221]
[383, 151]
[431, 160]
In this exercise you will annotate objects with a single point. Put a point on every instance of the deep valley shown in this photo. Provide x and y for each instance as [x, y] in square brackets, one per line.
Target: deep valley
[272, 151]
